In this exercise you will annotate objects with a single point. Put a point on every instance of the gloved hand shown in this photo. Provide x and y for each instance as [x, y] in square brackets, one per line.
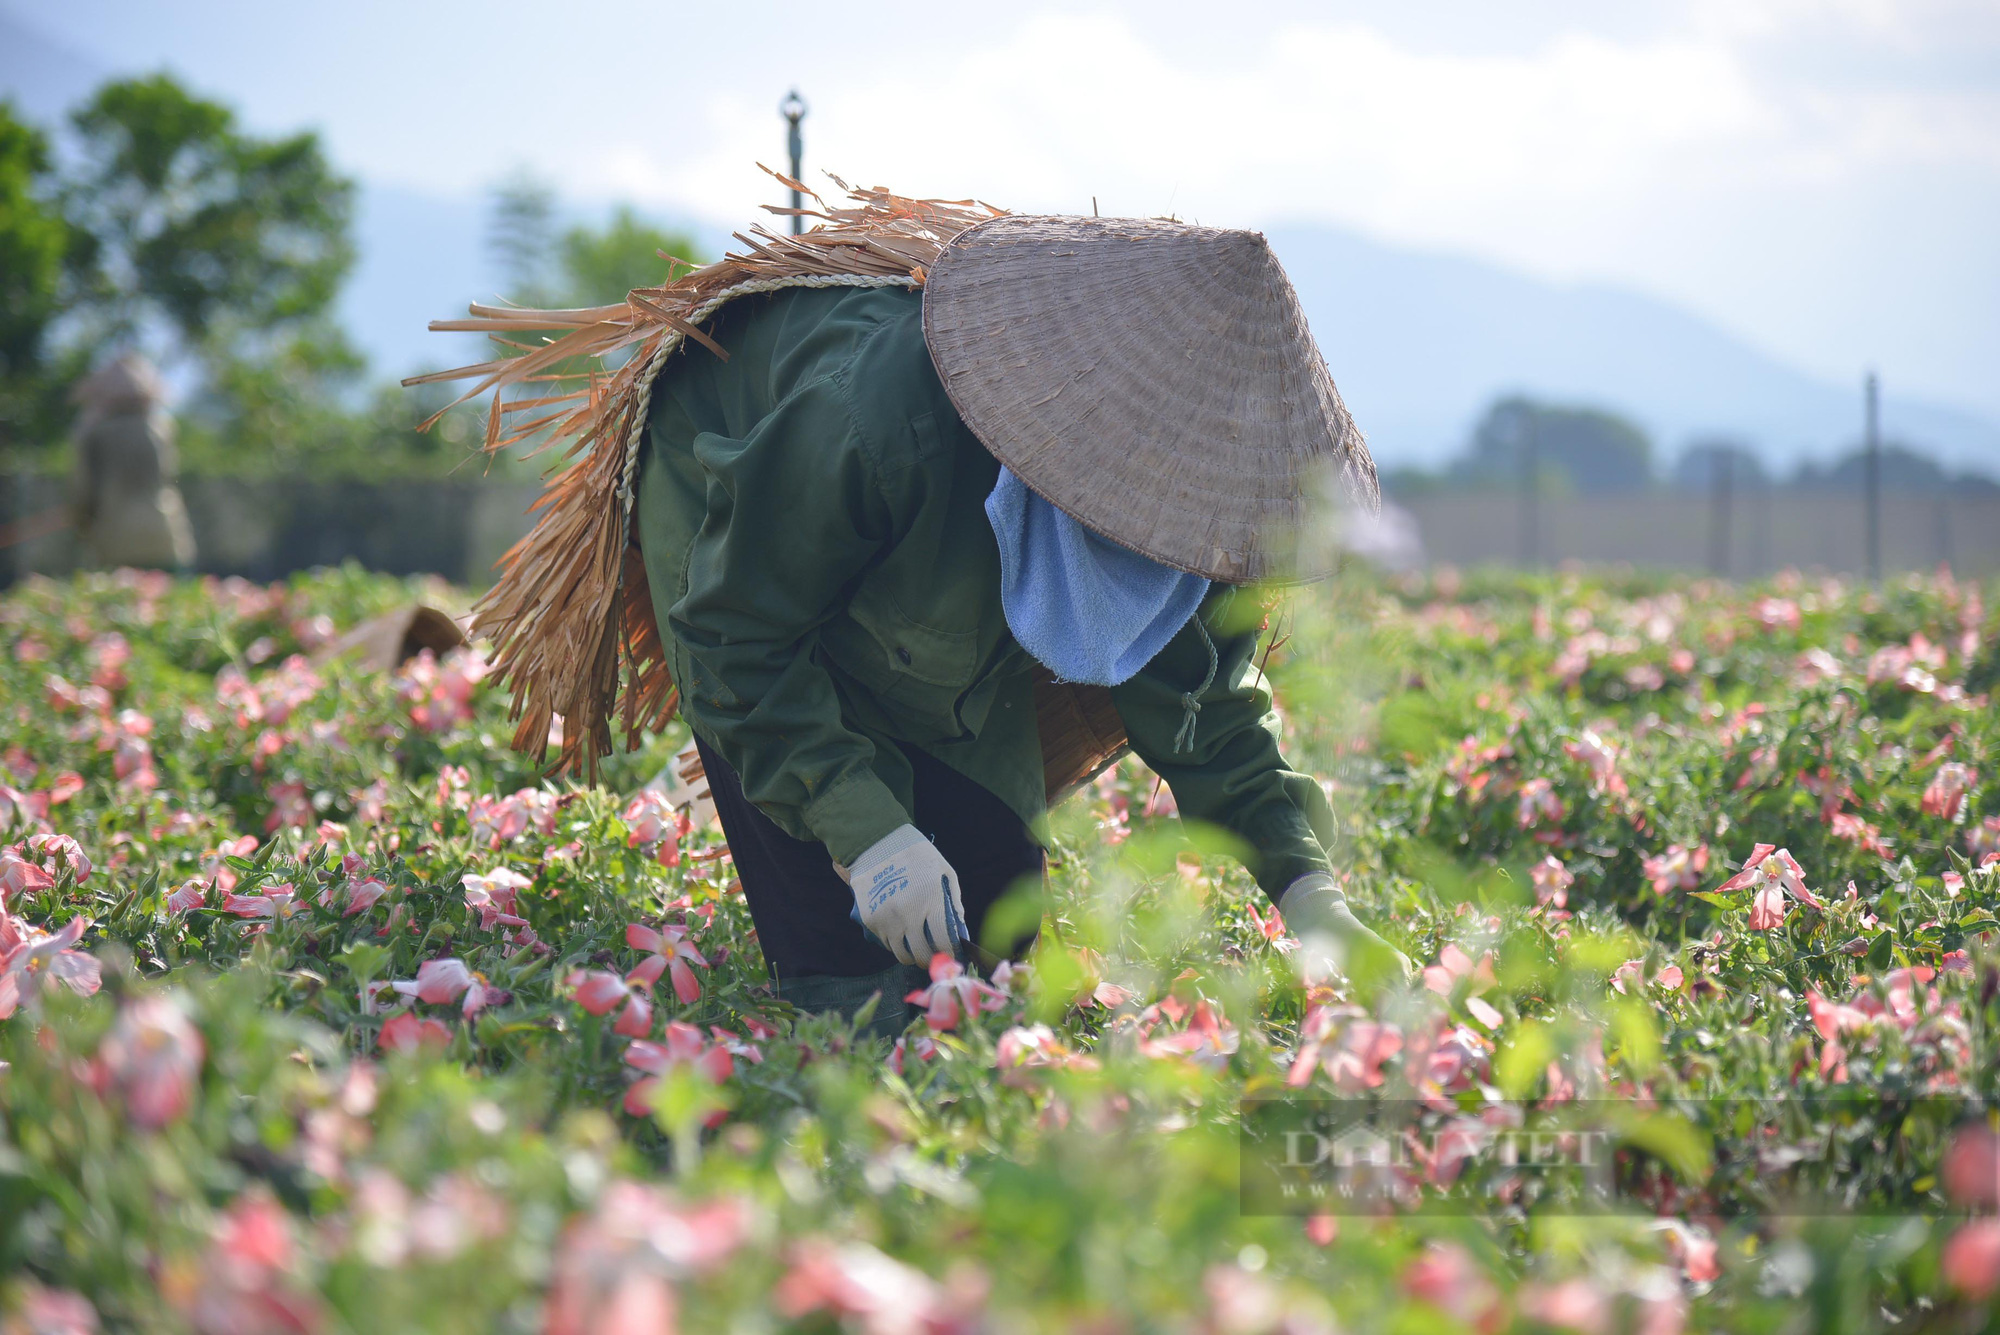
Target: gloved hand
[906, 896]
[1332, 941]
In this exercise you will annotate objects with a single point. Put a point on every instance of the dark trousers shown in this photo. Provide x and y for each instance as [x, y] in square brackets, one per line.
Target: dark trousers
[800, 907]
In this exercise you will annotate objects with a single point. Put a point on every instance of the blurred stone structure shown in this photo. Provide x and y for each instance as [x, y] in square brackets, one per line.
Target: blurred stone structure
[127, 509]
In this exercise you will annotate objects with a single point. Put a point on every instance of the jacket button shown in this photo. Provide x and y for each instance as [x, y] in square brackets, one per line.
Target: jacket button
[902, 656]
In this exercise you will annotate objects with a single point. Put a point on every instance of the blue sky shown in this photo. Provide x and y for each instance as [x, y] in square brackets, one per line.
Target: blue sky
[1820, 178]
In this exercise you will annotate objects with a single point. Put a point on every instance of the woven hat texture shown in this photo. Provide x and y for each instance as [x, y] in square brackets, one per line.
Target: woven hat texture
[1154, 380]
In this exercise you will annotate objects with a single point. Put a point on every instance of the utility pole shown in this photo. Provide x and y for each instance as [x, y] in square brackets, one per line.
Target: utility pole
[793, 109]
[1871, 480]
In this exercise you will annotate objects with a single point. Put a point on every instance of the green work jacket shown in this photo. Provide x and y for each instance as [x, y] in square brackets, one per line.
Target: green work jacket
[811, 513]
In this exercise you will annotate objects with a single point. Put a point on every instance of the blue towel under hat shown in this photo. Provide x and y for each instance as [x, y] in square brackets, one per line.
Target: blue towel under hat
[1088, 609]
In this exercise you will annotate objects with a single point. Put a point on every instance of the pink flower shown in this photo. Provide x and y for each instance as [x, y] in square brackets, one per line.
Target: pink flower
[1970, 1261]
[246, 1287]
[274, 903]
[498, 821]
[1971, 1168]
[1597, 755]
[439, 697]
[1035, 1047]
[1454, 964]
[59, 851]
[922, 1048]
[1846, 825]
[1446, 1277]
[683, 1046]
[598, 992]
[672, 953]
[152, 1059]
[19, 808]
[656, 827]
[290, 807]
[496, 897]
[363, 894]
[1552, 881]
[1694, 1248]
[440, 982]
[1770, 874]
[1946, 793]
[371, 804]
[52, 1311]
[192, 895]
[1365, 1048]
[215, 864]
[1982, 841]
[1832, 792]
[1207, 1041]
[1537, 802]
[28, 955]
[20, 876]
[880, 1295]
[405, 1032]
[954, 994]
[616, 1268]
[1574, 1304]
[1678, 868]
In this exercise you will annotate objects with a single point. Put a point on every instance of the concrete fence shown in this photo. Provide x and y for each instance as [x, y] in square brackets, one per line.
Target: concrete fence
[265, 529]
[1759, 531]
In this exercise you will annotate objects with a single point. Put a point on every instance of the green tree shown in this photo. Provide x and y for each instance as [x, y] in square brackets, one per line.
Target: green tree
[33, 241]
[194, 228]
[1594, 451]
[521, 237]
[600, 265]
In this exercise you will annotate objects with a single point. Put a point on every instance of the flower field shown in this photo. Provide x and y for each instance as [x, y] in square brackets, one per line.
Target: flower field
[321, 1010]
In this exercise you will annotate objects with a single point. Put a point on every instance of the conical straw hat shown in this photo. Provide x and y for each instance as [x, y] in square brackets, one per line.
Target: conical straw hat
[1154, 380]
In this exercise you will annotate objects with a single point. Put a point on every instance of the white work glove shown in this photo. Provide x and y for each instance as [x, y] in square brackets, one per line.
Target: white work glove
[906, 896]
[1332, 941]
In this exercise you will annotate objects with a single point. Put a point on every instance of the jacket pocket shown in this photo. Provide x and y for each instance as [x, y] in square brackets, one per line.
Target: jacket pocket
[919, 668]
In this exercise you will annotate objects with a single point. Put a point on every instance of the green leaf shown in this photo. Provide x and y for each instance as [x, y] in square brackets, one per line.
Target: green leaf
[1521, 1063]
[1881, 952]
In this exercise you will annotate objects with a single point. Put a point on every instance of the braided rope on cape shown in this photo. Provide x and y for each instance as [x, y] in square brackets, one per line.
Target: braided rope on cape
[570, 615]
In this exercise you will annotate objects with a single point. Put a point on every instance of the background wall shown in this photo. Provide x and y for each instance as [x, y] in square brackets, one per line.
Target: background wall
[1765, 531]
[458, 529]
[264, 529]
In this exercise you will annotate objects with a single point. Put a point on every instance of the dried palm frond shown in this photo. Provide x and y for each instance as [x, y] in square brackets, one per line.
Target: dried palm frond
[570, 617]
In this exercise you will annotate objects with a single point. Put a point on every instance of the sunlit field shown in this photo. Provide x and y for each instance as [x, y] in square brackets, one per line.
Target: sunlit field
[321, 1010]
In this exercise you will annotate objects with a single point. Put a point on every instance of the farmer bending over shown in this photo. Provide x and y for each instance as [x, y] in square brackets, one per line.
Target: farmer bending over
[866, 527]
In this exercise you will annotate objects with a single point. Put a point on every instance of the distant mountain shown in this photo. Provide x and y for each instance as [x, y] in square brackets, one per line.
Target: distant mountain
[1420, 344]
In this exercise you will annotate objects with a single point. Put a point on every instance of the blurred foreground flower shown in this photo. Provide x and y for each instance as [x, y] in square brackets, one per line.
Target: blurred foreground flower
[150, 1062]
[616, 1267]
[881, 1294]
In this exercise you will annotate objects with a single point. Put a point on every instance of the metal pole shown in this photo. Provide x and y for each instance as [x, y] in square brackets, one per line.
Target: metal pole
[1531, 489]
[1871, 481]
[793, 109]
[1721, 486]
